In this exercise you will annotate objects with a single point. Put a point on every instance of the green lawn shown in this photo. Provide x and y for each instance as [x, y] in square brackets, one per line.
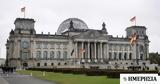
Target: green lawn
[62, 78]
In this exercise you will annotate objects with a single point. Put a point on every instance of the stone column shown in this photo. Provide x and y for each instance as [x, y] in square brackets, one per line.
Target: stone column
[82, 53]
[112, 57]
[128, 52]
[55, 47]
[18, 48]
[95, 52]
[89, 58]
[76, 47]
[101, 58]
[107, 51]
[134, 52]
[117, 52]
[122, 52]
[147, 53]
[61, 47]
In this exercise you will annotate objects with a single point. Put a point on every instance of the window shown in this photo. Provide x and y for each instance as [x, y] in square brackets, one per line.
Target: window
[125, 56]
[45, 64]
[141, 56]
[141, 48]
[115, 56]
[120, 48]
[52, 64]
[59, 64]
[38, 55]
[115, 48]
[110, 47]
[45, 54]
[125, 48]
[58, 46]
[58, 54]
[130, 56]
[52, 46]
[130, 48]
[45, 45]
[120, 56]
[24, 55]
[65, 63]
[38, 45]
[65, 46]
[38, 64]
[65, 54]
[25, 44]
[110, 55]
[52, 55]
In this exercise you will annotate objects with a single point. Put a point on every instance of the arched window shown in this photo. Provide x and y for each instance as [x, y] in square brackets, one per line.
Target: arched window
[110, 55]
[65, 55]
[59, 64]
[58, 54]
[52, 64]
[38, 64]
[120, 56]
[141, 56]
[38, 56]
[52, 55]
[45, 54]
[115, 55]
[130, 56]
[141, 48]
[45, 64]
[125, 56]
[65, 63]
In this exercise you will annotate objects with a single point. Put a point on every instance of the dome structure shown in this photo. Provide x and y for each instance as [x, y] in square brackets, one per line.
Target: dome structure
[77, 24]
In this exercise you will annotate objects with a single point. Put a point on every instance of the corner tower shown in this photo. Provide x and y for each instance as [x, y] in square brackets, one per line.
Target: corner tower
[24, 26]
[139, 30]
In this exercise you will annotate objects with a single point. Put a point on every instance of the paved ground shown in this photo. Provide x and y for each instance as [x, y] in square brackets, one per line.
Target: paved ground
[13, 78]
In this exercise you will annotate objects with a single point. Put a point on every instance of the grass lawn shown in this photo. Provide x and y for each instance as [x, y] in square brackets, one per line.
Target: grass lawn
[62, 78]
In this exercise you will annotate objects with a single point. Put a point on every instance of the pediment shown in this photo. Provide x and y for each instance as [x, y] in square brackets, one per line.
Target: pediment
[91, 34]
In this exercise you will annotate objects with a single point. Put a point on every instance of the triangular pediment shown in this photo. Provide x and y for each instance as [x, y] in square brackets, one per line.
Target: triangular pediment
[91, 34]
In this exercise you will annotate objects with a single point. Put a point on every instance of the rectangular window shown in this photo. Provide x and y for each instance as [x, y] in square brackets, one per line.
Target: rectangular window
[115, 55]
[65, 46]
[24, 55]
[45, 45]
[58, 46]
[65, 55]
[110, 47]
[52, 46]
[110, 55]
[38, 45]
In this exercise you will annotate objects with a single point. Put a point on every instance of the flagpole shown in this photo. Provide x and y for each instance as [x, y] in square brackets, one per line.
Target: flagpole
[24, 13]
[135, 20]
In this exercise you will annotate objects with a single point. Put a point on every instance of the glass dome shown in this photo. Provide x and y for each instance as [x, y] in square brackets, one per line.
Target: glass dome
[77, 24]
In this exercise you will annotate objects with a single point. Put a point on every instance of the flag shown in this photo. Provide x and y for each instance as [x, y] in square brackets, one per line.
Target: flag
[82, 50]
[23, 9]
[72, 52]
[133, 39]
[133, 19]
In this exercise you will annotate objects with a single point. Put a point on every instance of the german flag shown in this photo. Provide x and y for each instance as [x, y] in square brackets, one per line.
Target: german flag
[133, 39]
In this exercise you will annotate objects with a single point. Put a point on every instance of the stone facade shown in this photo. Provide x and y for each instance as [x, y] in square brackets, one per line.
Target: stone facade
[75, 45]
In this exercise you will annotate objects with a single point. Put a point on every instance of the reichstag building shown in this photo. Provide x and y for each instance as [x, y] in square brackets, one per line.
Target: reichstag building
[75, 45]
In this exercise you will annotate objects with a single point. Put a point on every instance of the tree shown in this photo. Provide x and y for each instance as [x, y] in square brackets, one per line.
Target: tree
[154, 58]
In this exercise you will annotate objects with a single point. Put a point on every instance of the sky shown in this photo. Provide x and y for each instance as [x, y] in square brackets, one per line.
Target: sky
[49, 14]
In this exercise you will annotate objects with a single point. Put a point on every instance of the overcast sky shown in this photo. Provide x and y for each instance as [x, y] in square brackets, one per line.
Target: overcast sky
[48, 15]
